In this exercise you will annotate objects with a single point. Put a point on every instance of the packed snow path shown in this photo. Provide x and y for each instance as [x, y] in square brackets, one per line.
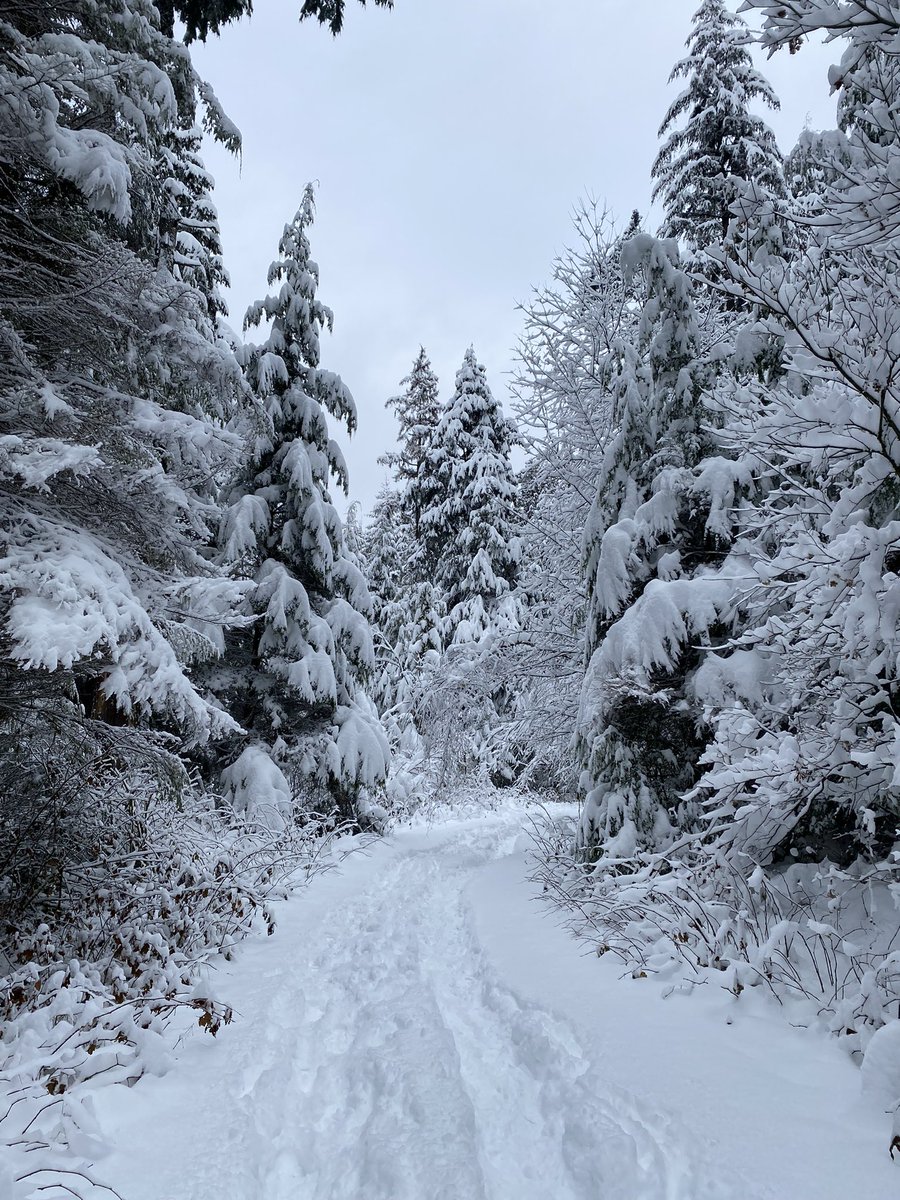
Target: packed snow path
[419, 1030]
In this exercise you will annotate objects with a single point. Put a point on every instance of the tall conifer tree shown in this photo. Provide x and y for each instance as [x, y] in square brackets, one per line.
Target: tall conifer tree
[292, 679]
[471, 521]
[417, 409]
[659, 517]
[114, 390]
[720, 143]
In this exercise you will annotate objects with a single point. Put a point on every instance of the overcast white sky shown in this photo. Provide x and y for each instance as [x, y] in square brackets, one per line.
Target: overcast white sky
[451, 140]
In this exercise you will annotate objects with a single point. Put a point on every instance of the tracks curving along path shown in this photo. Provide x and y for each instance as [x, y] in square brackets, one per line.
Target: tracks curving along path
[387, 1048]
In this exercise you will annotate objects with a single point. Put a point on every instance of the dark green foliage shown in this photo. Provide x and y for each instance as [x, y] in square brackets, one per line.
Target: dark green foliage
[331, 12]
[418, 410]
[203, 17]
[200, 17]
[720, 142]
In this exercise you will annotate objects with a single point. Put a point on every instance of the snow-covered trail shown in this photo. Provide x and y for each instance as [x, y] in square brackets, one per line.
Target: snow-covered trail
[418, 1031]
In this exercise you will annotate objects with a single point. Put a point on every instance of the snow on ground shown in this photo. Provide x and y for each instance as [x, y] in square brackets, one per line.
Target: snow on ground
[421, 1029]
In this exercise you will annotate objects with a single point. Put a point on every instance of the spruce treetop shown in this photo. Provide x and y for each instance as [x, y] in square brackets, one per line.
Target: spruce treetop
[418, 411]
[712, 140]
[472, 518]
[285, 369]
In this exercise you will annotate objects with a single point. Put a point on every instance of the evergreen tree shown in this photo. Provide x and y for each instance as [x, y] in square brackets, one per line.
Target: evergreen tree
[660, 517]
[292, 679]
[425, 612]
[353, 533]
[388, 551]
[387, 548]
[472, 519]
[114, 391]
[815, 165]
[417, 410]
[803, 762]
[196, 247]
[702, 162]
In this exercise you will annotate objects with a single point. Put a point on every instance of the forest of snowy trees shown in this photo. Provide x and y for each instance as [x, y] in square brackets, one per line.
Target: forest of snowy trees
[668, 586]
[682, 609]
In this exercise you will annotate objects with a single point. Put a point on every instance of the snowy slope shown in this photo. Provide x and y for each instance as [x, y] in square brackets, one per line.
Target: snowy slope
[419, 1029]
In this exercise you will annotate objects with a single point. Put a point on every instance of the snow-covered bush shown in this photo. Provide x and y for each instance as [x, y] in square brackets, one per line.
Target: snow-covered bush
[96, 968]
[257, 790]
[815, 937]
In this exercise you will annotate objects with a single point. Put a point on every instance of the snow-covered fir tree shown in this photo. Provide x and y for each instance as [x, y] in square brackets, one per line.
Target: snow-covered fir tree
[417, 409]
[816, 163]
[388, 553]
[293, 678]
[713, 141]
[471, 522]
[659, 518]
[114, 391]
[196, 249]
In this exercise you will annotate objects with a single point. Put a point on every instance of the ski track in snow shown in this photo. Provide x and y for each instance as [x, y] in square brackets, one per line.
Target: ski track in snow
[379, 1056]
[405, 1069]
[417, 1074]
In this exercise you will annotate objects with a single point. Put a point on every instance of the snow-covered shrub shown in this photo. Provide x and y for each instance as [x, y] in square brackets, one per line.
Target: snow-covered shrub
[256, 788]
[458, 710]
[823, 937]
[99, 964]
